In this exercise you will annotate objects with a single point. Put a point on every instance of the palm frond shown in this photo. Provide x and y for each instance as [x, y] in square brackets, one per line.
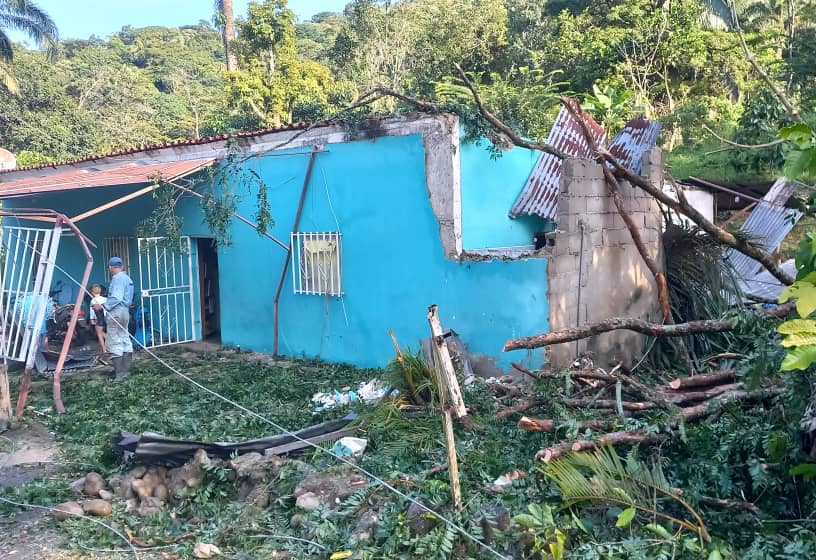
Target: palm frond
[27, 17]
[601, 476]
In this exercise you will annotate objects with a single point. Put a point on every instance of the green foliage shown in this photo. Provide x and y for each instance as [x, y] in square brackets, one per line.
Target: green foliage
[601, 477]
[610, 108]
[549, 540]
[800, 161]
[800, 334]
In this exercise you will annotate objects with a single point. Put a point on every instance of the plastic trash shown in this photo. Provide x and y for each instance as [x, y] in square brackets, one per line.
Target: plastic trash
[349, 447]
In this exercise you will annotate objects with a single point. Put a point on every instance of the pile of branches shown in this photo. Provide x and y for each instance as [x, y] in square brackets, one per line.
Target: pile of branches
[618, 394]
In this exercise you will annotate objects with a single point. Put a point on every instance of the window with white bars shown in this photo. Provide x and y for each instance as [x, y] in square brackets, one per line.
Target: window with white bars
[316, 263]
[116, 247]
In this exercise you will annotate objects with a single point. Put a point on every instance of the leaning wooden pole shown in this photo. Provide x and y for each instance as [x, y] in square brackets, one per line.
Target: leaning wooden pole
[453, 462]
[444, 363]
[5, 398]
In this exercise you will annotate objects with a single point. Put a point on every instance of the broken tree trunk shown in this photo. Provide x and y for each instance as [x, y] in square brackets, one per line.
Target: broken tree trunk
[5, 398]
[615, 438]
[620, 323]
[703, 380]
[450, 385]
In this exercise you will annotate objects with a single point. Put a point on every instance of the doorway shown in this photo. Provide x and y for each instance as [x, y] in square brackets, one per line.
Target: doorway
[208, 285]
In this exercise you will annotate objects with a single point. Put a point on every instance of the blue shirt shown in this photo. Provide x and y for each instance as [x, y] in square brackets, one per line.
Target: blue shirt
[120, 291]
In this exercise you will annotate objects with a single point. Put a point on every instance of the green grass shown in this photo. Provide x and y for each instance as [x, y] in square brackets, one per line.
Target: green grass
[154, 399]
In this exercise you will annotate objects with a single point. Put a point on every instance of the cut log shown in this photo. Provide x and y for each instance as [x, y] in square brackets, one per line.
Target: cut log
[548, 425]
[684, 398]
[620, 323]
[515, 409]
[709, 407]
[703, 380]
[615, 438]
[607, 403]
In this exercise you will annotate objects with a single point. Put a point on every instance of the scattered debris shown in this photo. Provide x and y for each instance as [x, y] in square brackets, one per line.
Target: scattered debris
[349, 447]
[156, 449]
[206, 550]
[368, 392]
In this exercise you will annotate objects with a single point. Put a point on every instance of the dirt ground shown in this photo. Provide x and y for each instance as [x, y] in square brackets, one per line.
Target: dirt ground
[27, 453]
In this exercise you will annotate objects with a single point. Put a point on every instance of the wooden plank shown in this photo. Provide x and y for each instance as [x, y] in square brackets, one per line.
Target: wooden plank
[114, 203]
[444, 365]
[453, 463]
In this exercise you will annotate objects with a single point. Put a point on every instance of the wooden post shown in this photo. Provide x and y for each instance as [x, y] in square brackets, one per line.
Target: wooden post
[447, 373]
[453, 463]
[5, 397]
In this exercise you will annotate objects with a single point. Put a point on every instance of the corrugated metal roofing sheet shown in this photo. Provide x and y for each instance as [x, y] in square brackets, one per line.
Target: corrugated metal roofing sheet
[540, 192]
[130, 173]
[767, 225]
[631, 144]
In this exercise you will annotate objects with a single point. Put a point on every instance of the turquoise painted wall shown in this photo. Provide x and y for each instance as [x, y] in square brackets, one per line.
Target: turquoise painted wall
[489, 189]
[393, 265]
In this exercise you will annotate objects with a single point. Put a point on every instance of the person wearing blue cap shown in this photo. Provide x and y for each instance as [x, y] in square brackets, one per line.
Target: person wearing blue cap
[117, 315]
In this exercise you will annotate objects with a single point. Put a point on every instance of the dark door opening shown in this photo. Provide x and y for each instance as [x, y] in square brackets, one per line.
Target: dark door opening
[208, 284]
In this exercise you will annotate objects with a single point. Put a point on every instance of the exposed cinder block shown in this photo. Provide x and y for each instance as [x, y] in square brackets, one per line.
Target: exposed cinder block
[617, 237]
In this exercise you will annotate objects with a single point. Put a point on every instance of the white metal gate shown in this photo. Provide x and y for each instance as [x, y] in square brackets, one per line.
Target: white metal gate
[28, 257]
[167, 315]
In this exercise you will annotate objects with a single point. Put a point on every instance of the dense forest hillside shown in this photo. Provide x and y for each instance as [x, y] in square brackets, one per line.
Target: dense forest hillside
[678, 61]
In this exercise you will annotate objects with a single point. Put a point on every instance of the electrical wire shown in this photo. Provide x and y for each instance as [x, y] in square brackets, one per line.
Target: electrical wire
[456, 527]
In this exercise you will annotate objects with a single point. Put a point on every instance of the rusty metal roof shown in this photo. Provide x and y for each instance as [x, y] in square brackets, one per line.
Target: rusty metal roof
[631, 144]
[131, 173]
[182, 142]
[540, 192]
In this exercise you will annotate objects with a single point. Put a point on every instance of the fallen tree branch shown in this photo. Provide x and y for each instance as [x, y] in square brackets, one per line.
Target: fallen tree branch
[520, 407]
[729, 504]
[511, 134]
[548, 425]
[615, 438]
[695, 396]
[607, 403]
[744, 146]
[709, 407]
[621, 323]
[778, 93]
[702, 380]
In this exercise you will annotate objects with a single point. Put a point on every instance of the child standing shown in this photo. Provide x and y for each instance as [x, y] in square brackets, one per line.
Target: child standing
[98, 317]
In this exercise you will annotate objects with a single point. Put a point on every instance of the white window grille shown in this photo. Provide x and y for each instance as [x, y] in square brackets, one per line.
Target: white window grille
[316, 263]
[116, 247]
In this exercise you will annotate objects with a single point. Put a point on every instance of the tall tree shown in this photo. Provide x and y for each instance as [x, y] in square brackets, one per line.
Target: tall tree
[225, 21]
[24, 16]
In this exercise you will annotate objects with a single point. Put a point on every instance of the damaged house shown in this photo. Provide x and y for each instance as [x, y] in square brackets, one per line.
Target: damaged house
[371, 226]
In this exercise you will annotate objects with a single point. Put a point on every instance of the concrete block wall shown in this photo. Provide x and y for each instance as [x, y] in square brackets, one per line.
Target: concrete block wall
[594, 253]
